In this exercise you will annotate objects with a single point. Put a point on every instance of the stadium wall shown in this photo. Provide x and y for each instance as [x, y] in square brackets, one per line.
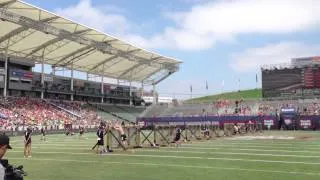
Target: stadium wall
[294, 122]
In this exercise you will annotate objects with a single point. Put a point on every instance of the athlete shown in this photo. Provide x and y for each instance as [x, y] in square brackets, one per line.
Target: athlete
[81, 131]
[100, 140]
[119, 128]
[27, 143]
[178, 137]
[43, 134]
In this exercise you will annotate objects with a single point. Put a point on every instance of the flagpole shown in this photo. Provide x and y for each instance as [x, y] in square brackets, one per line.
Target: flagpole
[256, 81]
[207, 88]
[222, 86]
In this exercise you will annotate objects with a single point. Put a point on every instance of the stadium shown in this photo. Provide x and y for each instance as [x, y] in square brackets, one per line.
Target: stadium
[84, 128]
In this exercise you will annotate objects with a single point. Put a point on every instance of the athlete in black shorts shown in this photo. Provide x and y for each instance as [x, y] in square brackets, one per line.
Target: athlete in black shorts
[27, 142]
[43, 134]
[123, 137]
[100, 143]
[178, 137]
[81, 131]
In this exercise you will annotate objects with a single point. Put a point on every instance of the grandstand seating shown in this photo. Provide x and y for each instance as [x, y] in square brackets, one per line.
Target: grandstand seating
[128, 113]
[56, 114]
[249, 107]
[277, 79]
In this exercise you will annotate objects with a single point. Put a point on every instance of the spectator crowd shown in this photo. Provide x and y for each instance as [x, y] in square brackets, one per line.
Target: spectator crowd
[17, 113]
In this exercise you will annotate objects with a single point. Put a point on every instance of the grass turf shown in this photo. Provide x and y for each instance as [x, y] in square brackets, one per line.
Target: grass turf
[243, 94]
[71, 158]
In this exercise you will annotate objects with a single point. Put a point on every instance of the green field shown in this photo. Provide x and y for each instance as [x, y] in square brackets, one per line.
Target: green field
[70, 158]
[245, 94]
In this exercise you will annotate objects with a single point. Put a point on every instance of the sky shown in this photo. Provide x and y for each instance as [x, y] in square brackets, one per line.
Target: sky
[221, 42]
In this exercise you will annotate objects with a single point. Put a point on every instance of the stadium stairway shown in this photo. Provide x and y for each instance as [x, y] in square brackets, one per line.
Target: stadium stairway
[129, 112]
[110, 112]
[62, 109]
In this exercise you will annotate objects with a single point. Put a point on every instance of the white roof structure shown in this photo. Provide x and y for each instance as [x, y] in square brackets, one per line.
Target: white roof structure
[34, 34]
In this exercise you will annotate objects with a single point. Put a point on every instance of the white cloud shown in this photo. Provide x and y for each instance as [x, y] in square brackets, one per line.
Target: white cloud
[84, 12]
[225, 19]
[251, 59]
[204, 24]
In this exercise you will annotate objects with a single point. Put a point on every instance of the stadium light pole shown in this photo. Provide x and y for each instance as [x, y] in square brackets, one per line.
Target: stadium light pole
[53, 70]
[130, 93]
[6, 70]
[42, 74]
[154, 94]
[102, 84]
[142, 89]
[71, 84]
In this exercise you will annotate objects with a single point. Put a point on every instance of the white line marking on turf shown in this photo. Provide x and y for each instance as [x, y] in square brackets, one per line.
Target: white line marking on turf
[186, 145]
[213, 146]
[243, 149]
[65, 146]
[257, 143]
[228, 153]
[249, 146]
[185, 157]
[184, 151]
[177, 166]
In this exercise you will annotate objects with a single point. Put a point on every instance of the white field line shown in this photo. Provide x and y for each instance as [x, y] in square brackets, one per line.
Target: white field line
[185, 157]
[85, 144]
[181, 151]
[291, 141]
[271, 143]
[77, 143]
[223, 148]
[178, 166]
[250, 146]
[228, 153]
[219, 141]
[244, 149]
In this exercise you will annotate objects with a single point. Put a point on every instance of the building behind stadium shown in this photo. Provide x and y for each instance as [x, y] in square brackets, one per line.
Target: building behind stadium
[300, 79]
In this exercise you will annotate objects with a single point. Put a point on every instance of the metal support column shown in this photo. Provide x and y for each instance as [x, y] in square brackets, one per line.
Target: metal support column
[154, 95]
[142, 89]
[71, 86]
[6, 70]
[102, 88]
[87, 76]
[42, 75]
[53, 70]
[130, 93]
[102, 84]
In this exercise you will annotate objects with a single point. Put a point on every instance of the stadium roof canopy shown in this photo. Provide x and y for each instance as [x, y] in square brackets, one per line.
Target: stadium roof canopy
[34, 34]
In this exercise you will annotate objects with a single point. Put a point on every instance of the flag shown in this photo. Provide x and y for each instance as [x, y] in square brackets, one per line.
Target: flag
[256, 78]
[191, 88]
[207, 85]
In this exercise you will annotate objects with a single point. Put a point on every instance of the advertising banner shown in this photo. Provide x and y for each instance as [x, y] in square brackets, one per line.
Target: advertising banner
[305, 123]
